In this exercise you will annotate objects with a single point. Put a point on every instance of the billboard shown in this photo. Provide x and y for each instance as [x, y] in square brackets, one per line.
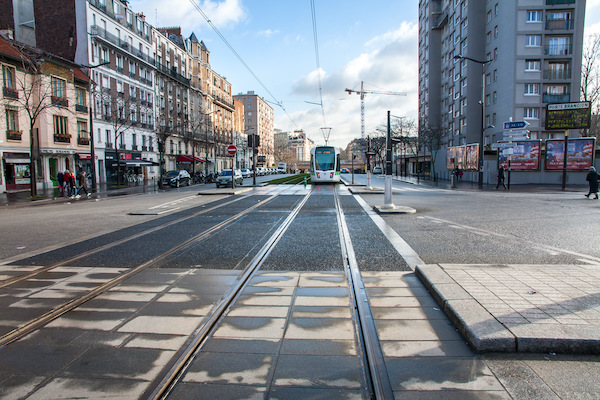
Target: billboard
[525, 157]
[465, 158]
[580, 154]
[568, 115]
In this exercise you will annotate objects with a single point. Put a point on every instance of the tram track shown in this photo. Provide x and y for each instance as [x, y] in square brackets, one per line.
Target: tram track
[69, 305]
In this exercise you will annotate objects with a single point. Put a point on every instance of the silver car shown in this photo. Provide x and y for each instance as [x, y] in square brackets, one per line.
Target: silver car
[224, 178]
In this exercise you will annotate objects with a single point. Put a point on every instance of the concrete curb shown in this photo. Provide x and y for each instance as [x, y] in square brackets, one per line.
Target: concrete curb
[481, 330]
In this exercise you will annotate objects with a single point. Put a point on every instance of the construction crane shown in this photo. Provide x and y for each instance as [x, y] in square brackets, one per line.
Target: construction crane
[362, 92]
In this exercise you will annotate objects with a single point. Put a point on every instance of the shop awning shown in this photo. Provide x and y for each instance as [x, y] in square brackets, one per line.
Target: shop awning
[189, 159]
[135, 163]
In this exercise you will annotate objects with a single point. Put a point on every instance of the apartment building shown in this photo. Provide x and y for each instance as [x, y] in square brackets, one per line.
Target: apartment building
[258, 115]
[44, 115]
[482, 63]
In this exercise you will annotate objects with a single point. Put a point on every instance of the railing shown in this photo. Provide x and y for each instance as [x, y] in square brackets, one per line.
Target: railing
[144, 148]
[83, 141]
[62, 138]
[109, 145]
[10, 93]
[173, 74]
[108, 11]
[60, 101]
[560, 24]
[556, 98]
[558, 49]
[557, 74]
[109, 37]
[557, 2]
[81, 108]
[14, 135]
[122, 146]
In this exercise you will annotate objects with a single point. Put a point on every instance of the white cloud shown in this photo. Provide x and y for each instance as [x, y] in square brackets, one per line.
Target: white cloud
[268, 33]
[162, 13]
[391, 65]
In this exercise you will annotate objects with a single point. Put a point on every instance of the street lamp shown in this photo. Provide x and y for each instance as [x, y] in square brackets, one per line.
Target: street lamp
[483, 64]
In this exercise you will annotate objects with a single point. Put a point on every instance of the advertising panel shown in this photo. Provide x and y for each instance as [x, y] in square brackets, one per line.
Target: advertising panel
[525, 157]
[580, 154]
[461, 156]
[472, 157]
[450, 157]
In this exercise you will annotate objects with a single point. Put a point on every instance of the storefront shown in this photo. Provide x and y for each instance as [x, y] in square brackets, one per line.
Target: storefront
[131, 166]
[16, 170]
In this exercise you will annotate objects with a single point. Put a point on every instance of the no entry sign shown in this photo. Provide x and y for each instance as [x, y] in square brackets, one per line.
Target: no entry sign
[231, 149]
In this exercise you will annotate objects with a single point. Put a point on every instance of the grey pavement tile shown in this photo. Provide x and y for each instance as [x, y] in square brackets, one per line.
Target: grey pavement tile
[242, 345]
[318, 371]
[174, 309]
[326, 301]
[167, 325]
[320, 328]
[150, 341]
[36, 359]
[520, 381]
[416, 330]
[323, 291]
[18, 386]
[445, 373]
[430, 348]
[104, 321]
[321, 312]
[194, 391]
[231, 368]
[89, 388]
[318, 347]
[292, 393]
[427, 301]
[265, 290]
[118, 363]
[258, 311]
[392, 313]
[251, 327]
[251, 300]
[397, 291]
[451, 395]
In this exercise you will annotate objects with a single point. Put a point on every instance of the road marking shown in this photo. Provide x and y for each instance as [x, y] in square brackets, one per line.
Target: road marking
[174, 202]
[406, 252]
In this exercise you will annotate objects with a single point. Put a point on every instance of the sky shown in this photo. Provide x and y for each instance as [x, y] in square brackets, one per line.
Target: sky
[375, 42]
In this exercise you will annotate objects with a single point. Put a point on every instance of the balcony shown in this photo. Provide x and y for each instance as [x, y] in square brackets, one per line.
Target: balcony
[558, 2]
[144, 148]
[10, 93]
[558, 50]
[560, 25]
[83, 141]
[109, 145]
[62, 138]
[59, 101]
[173, 74]
[108, 11]
[14, 135]
[122, 146]
[108, 118]
[134, 147]
[557, 74]
[98, 32]
[81, 108]
[556, 98]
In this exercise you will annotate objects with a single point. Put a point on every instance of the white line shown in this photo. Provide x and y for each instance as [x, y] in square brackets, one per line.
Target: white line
[173, 202]
[406, 252]
[592, 262]
[169, 210]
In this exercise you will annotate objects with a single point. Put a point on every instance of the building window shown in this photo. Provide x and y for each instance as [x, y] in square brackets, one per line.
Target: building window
[532, 65]
[531, 113]
[8, 73]
[496, 32]
[12, 123]
[534, 16]
[61, 129]
[533, 41]
[59, 88]
[532, 89]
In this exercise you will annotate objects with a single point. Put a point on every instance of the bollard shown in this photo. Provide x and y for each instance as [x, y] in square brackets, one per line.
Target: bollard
[305, 182]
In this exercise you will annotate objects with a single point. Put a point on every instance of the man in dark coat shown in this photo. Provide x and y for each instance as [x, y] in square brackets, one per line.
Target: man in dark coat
[61, 181]
[592, 178]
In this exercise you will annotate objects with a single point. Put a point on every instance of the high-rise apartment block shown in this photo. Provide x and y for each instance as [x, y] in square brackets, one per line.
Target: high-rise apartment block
[258, 120]
[504, 59]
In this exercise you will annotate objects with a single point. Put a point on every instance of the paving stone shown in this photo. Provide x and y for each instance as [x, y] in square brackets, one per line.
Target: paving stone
[320, 328]
[318, 371]
[161, 325]
[194, 391]
[251, 327]
[230, 368]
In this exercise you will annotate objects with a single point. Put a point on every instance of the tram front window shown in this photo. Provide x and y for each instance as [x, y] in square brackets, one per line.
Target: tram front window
[325, 159]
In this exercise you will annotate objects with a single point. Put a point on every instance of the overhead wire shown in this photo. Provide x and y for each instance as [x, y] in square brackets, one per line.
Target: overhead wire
[316, 41]
[241, 60]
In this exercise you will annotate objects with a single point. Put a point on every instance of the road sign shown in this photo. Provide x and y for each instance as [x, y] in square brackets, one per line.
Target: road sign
[568, 115]
[515, 125]
[231, 149]
[508, 151]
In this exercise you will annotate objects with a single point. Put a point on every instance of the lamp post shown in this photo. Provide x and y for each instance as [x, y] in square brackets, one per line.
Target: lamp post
[483, 64]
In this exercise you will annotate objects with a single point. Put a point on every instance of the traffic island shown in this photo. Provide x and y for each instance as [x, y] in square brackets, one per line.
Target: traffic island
[224, 191]
[394, 209]
[520, 308]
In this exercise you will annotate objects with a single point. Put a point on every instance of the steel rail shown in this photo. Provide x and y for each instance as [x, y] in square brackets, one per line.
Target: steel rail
[107, 246]
[376, 373]
[51, 315]
[168, 378]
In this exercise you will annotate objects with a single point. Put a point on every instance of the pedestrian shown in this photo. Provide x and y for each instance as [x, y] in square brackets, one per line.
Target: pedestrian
[72, 186]
[592, 178]
[61, 181]
[82, 184]
[67, 184]
[501, 177]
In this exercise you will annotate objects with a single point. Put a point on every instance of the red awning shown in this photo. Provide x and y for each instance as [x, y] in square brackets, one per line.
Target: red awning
[189, 159]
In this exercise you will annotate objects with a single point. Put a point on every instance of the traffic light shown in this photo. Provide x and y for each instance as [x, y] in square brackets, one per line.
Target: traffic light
[253, 139]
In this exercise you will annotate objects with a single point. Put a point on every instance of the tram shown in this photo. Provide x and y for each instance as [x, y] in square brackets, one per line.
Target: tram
[324, 164]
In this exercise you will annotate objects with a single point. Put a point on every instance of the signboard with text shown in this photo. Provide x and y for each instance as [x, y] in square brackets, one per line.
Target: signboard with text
[568, 116]
[580, 154]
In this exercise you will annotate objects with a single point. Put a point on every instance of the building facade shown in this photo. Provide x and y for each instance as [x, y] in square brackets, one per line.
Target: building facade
[482, 63]
[258, 120]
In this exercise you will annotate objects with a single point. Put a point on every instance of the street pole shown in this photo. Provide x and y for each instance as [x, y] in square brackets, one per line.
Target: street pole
[564, 174]
[388, 203]
[92, 147]
[253, 159]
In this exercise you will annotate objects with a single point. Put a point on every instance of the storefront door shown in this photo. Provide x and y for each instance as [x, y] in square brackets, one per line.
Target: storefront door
[53, 168]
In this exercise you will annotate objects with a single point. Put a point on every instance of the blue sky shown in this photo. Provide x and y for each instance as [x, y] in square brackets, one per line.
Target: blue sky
[374, 41]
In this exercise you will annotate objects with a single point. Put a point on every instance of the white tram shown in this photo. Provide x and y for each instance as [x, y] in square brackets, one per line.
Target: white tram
[325, 164]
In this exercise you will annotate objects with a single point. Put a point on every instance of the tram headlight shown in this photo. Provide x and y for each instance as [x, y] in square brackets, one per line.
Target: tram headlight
[331, 174]
[318, 174]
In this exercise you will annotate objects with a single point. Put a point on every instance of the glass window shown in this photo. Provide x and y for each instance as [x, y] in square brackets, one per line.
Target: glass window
[59, 88]
[532, 65]
[80, 97]
[325, 159]
[533, 41]
[531, 113]
[82, 131]
[534, 16]
[12, 119]
[60, 125]
[532, 89]
[9, 77]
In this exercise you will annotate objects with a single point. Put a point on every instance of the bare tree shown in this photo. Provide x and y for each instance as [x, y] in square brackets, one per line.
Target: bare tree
[431, 139]
[590, 80]
[284, 154]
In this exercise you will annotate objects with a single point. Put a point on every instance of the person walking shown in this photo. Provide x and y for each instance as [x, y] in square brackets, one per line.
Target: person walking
[592, 178]
[501, 177]
[61, 182]
[67, 179]
[72, 185]
[82, 184]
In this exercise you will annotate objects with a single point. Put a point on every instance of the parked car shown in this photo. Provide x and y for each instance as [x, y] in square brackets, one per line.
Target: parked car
[246, 172]
[378, 170]
[224, 178]
[177, 178]
[345, 171]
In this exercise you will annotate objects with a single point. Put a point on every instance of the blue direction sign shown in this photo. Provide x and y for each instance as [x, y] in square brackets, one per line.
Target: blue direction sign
[516, 124]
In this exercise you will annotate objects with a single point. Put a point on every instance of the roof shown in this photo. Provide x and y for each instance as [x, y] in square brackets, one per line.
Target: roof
[10, 50]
